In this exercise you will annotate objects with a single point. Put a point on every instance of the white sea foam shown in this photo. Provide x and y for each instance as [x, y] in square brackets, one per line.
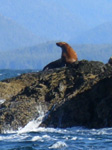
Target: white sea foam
[30, 127]
[63, 139]
[51, 130]
[90, 139]
[2, 101]
[18, 74]
[58, 145]
[74, 138]
[33, 125]
[46, 137]
[9, 131]
[14, 137]
[37, 138]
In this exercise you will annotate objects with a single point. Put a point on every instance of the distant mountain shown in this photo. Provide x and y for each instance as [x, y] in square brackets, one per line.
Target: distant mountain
[37, 57]
[46, 18]
[13, 36]
[62, 20]
[92, 12]
[30, 57]
[58, 19]
[97, 52]
[29, 23]
[101, 34]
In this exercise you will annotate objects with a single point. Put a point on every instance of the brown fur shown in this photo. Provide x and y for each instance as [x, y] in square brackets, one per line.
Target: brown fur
[68, 54]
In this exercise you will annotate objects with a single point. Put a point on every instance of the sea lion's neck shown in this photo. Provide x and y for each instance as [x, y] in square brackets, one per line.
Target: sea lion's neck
[64, 50]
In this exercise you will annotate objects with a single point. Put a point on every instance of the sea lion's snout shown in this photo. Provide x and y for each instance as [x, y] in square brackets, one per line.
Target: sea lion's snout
[57, 44]
[61, 44]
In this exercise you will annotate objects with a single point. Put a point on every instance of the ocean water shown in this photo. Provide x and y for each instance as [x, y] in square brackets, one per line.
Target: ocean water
[32, 137]
[6, 73]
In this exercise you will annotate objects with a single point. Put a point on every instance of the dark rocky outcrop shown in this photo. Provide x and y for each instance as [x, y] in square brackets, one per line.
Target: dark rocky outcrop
[77, 95]
[110, 61]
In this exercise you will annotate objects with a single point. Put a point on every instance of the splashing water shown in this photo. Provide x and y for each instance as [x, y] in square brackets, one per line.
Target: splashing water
[2, 101]
[33, 137]
[58, 145]
[76, 138]
[38, 138]
[34, 124]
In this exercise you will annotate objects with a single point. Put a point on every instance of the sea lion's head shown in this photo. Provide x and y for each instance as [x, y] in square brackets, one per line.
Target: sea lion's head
[61, 44]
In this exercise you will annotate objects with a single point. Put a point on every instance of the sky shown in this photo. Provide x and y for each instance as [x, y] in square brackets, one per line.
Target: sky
[92, 11]
[52, 20]
[44, 16]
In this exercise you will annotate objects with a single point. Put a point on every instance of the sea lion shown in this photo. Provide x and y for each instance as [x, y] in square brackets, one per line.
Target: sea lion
[110, 61]
[55, 64]
[68, 54]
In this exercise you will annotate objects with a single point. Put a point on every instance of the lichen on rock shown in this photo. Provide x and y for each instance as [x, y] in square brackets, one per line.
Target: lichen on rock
[77, 95]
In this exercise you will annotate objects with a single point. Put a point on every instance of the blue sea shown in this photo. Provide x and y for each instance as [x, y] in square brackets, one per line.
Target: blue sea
[32, 137]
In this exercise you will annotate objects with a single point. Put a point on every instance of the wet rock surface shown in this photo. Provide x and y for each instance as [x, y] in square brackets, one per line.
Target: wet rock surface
[77, 95]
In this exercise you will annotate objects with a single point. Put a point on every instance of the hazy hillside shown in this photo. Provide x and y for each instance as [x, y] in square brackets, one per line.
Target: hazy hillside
[101, 34]
[58, 20]
[13, 36]
[50, 19]
[92, 12]
[98, 52]
[37, 57]
[73, 21]
[84, 23]
[30, 57]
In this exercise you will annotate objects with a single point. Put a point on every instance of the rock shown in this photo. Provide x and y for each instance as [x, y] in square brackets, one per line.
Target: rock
[77, 95]
[110, 61]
